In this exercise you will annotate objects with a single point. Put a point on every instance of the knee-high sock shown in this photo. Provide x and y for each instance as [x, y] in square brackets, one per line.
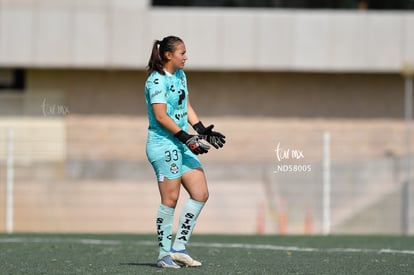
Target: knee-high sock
[165, 219]
[188, 219]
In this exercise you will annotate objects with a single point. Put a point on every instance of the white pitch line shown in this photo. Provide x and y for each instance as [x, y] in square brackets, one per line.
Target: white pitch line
[256, 246]
[392, 251]
[92, 241]
[210, 245]
[57, 240]
[301, 249]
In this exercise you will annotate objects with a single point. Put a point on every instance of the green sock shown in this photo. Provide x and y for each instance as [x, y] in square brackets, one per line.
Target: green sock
[165, 219]
[188, 219]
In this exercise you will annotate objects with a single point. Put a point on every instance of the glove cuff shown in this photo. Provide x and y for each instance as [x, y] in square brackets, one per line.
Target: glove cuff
[199, 128]
[182, 136]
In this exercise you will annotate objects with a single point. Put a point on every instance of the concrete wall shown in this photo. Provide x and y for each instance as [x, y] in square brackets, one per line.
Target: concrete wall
[271, 94]
[119, 34]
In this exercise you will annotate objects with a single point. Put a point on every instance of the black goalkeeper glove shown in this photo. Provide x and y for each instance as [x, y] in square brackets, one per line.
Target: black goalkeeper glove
[214, 138]
[193, 142]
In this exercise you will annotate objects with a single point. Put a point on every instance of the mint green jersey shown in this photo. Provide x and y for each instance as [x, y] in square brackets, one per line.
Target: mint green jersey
[168, 156]
[170, 89]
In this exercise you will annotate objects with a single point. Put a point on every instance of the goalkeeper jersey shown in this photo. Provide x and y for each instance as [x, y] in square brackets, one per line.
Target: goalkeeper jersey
[170, 89]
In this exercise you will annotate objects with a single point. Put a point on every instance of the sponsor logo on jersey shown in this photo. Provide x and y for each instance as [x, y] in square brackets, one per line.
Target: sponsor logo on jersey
[182, 81]
[155, 93]
[182, 96]
[178, 116]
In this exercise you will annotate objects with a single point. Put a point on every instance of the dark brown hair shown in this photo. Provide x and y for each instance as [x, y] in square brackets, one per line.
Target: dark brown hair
[158, 58]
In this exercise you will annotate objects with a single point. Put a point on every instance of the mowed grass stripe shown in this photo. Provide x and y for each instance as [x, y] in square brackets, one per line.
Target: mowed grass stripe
[207, 245]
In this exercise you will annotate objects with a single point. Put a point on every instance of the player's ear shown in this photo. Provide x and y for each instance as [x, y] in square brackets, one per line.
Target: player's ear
[169, 55]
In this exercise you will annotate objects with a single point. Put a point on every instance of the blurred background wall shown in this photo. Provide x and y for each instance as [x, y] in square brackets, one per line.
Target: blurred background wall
[273, 76]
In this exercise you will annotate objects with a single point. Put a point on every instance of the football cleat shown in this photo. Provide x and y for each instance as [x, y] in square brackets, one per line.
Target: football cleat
[167, 262]
[183, 258]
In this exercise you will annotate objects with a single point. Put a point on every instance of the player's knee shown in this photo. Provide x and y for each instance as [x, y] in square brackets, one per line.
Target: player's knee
[169, 202]
[205, 198]
[202, 197]
[207, 195]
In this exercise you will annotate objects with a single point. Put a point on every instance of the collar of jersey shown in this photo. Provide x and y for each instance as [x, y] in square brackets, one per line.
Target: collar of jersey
[167, 73]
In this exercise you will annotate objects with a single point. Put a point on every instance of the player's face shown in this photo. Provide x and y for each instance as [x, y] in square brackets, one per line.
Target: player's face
[179, 56]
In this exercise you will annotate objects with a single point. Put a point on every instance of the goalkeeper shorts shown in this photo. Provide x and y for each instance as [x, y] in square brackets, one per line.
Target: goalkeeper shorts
[170, 160]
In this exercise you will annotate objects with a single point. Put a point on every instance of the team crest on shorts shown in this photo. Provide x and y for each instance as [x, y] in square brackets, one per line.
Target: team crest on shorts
[174, 168]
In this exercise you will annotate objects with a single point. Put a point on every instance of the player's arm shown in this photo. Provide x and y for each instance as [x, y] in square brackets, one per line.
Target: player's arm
[160, 114]
[192, 115]
[192, 141]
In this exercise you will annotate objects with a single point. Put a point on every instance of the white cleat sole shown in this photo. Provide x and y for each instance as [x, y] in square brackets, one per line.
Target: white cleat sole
[185, 259]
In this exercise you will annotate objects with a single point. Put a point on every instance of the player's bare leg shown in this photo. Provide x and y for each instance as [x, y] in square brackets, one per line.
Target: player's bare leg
[195, 183]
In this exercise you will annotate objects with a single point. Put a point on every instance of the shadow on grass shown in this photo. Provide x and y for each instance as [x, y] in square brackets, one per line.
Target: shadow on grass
[139, 264]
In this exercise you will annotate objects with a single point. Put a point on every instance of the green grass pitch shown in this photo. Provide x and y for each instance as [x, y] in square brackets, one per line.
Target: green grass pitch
[220, 254]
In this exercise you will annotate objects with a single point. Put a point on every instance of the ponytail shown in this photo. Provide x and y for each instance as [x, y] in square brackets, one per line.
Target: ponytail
[155, 63]
[159, 48]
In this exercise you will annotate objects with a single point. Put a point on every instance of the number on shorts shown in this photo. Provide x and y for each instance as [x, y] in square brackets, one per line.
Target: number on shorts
[171, 155]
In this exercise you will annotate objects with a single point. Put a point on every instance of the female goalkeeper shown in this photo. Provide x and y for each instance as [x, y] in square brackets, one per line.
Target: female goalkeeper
[172, 151]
